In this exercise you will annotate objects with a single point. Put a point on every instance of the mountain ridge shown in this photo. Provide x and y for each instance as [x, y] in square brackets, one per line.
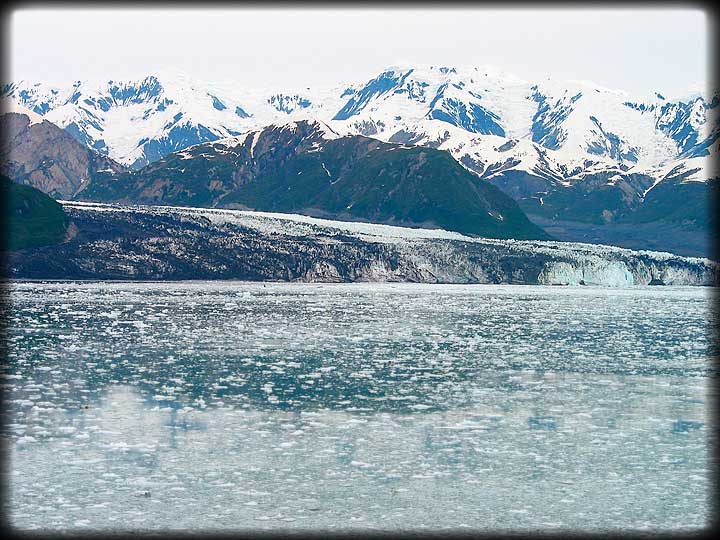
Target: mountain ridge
[305, 167]
[481, 101]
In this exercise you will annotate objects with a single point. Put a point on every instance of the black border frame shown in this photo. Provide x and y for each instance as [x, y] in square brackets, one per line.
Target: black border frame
[713, 399]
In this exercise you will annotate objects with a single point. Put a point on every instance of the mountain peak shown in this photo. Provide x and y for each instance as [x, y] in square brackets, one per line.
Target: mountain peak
[304, 123]
[9, 106]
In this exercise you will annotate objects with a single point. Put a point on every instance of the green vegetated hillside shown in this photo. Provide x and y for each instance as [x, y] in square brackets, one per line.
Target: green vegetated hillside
[634, 211]
[29, 218]
[299, 168]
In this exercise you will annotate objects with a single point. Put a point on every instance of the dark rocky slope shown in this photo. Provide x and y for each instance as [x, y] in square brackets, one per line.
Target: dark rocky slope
[44, 156]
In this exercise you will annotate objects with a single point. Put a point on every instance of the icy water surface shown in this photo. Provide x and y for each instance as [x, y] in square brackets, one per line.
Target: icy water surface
[359, 406]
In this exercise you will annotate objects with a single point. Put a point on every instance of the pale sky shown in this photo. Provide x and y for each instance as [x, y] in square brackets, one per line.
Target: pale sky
[639, 50]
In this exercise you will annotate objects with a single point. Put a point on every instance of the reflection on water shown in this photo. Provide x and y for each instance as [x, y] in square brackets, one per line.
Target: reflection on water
[243, 406]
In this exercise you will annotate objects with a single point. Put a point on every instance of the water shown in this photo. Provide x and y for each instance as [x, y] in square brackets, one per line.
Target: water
[236, 406]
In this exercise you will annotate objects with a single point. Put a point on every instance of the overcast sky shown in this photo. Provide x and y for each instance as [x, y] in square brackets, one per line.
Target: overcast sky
[638, 50]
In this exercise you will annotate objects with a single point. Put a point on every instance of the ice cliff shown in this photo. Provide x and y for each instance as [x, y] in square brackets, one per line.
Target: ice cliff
[172, 243]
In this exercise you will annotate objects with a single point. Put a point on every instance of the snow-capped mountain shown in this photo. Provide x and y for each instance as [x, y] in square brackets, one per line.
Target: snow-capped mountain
[542, 134]
[138, 122]
[573, 118]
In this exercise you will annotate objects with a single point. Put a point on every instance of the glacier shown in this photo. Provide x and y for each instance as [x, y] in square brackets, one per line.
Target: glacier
[112, 241]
